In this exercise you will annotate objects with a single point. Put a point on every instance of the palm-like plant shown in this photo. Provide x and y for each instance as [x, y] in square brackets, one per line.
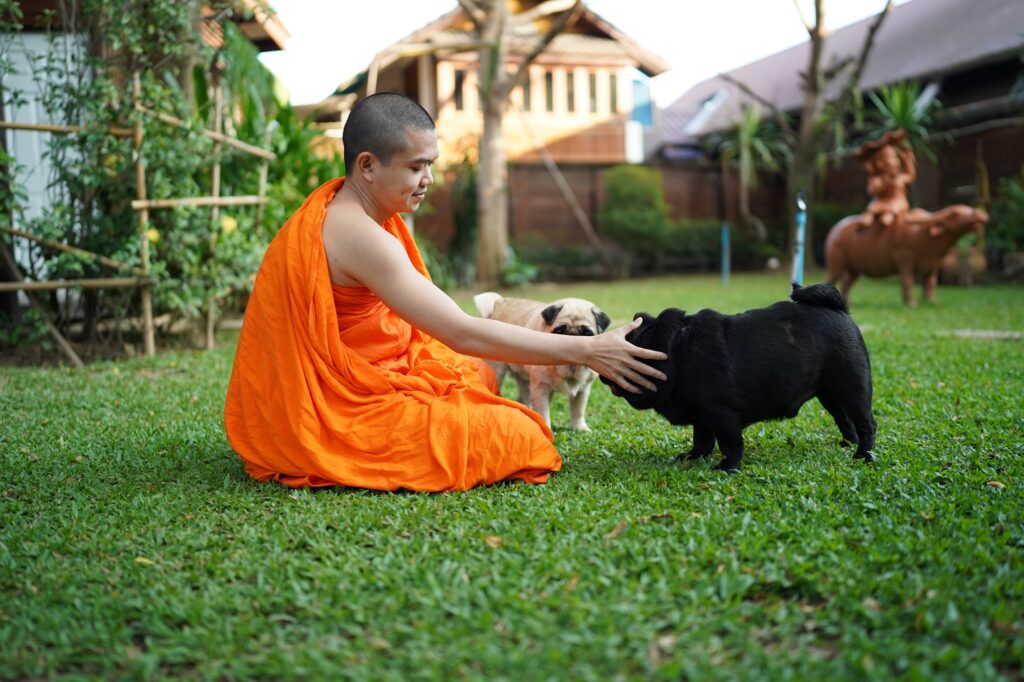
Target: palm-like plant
[757, 145]
[904, 106]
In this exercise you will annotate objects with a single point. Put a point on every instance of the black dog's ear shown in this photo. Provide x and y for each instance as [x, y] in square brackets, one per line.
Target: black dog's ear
[550, 313]
[601, 319]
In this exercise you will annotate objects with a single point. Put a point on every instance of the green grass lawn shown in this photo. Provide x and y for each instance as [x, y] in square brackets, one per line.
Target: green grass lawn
[132, 544]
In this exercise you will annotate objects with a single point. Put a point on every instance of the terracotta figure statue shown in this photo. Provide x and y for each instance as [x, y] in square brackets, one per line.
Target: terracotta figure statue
[890, 237]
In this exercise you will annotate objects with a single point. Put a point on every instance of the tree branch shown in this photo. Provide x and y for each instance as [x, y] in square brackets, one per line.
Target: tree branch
[843, 101]
[544, 9]
[556, 27]
[777, 114]
[817, 35]
[476, 13]
[869, 42]
[803, 19]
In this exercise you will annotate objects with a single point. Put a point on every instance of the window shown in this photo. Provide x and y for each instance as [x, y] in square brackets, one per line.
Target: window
[642, 108]
[570, 92]
[549, 91]
[460, 84]
[613, 93]
[593, 93]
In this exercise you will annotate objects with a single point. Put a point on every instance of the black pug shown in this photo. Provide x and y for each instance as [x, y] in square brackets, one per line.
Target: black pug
[727, 371]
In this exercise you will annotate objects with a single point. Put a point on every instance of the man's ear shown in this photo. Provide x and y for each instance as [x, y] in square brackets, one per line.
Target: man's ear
[365, 164]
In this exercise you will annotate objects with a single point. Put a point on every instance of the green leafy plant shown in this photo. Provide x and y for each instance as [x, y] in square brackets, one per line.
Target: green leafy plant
[635, 214]
[901, 106]
[517, 271]
[756, 145]
[462, 247]
[438, 264]
[196, 259]
[1005, 229]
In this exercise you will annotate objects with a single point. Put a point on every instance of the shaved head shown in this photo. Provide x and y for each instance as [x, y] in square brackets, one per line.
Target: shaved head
[378, 124]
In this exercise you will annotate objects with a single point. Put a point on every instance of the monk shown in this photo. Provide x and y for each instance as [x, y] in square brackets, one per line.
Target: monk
[351, 367]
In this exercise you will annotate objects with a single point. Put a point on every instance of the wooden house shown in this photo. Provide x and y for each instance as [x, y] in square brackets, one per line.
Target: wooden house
[587, 103]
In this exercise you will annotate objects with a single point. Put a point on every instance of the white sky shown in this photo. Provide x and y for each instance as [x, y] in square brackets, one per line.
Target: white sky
[332, 40]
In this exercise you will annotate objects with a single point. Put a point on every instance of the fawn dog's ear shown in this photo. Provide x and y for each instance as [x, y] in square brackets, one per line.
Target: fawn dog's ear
[601, 319]
[550, 313]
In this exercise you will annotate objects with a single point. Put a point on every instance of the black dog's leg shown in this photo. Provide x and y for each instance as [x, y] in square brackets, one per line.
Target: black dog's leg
[856, 404]
[834, 407]
[865, 422]
[730, 441]
[703, 442]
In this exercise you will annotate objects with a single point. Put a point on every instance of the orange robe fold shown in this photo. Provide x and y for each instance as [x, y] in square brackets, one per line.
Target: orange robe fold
[329, 387]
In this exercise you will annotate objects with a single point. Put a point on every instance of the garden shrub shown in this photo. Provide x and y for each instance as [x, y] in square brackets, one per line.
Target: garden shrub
[1005, 229]
[694, 244]
[635, 214]
[464, 201]
[824, 215]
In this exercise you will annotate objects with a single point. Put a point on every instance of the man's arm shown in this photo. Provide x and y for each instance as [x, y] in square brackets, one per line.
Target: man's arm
[365, 253]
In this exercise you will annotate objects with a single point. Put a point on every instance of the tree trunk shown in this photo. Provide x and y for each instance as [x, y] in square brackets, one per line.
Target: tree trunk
[492, 247]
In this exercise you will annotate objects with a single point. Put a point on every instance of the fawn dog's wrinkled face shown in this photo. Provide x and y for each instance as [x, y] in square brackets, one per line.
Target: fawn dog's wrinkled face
[574, 317]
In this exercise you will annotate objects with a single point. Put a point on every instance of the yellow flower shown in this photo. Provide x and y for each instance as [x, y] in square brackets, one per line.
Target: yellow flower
[228, 224]
[153, 235]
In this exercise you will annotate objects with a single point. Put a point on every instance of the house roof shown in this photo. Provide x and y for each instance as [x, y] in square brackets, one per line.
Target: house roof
[919, 40]
[601, 39]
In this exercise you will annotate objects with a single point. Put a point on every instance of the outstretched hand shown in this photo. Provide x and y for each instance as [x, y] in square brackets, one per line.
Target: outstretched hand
[618, 360]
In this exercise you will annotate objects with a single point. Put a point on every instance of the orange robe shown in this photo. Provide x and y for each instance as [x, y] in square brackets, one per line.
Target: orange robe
[329, 387]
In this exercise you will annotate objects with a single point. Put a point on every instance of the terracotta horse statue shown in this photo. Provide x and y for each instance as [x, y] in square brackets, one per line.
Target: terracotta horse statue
[890, 237]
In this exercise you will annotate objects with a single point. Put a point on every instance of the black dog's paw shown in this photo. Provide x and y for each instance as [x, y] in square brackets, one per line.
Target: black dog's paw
[690, 455]
[728, 467]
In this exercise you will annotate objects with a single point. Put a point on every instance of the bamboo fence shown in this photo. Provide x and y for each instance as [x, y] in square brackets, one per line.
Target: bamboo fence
[142, 204]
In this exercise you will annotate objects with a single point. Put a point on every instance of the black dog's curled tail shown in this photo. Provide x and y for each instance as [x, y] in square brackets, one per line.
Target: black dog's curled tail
[824, 295]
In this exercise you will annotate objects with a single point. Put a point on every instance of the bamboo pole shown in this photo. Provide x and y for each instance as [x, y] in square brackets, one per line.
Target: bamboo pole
[211, 299]
[244, 200]
[53, 128]
[102, 260]
[140, 194]
[95, 283]
[219, 137]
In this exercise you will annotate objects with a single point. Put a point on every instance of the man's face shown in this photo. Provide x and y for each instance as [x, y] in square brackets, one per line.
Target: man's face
[404, 181]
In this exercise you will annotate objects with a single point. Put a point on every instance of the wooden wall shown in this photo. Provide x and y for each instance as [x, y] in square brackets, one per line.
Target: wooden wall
[538, 213]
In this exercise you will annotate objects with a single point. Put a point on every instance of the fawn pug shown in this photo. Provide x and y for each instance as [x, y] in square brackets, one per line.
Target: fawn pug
[536, 383]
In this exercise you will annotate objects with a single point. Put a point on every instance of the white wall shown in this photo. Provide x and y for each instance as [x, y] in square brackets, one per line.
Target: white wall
[27, 52]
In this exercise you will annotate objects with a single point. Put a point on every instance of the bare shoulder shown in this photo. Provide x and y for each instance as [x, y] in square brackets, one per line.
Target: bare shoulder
[351, 240]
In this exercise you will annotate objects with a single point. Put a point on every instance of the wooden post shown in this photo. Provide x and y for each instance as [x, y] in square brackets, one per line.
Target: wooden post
[211, 294]
[140, 193]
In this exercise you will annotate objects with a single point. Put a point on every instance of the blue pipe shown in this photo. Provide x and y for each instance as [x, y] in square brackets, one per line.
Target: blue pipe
[801, 230]
[725, 254]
